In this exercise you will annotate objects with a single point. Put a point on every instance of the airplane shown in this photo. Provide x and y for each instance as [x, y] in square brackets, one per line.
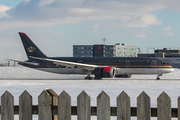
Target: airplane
[99, 67]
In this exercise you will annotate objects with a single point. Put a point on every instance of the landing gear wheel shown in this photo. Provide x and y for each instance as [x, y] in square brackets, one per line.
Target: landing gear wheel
[96, 78]
[88, 78]
[158, 77]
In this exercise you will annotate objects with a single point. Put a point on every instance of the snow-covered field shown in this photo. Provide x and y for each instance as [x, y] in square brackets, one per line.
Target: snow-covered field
[18, 79]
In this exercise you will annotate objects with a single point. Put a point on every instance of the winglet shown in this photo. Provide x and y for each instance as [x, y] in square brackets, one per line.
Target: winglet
[30, 63]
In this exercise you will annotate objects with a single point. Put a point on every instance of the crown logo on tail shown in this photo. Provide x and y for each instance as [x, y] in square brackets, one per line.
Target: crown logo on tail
[31, 49]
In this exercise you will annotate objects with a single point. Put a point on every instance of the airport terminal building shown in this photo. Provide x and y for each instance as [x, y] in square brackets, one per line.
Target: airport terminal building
[101, 50]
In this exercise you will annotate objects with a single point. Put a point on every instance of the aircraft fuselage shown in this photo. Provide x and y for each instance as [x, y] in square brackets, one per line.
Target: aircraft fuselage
[128, 65]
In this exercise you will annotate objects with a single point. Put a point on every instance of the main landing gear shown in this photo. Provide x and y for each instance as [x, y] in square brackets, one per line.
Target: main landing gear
[89, 78]
[96, 78]
[92, 78]
[158, 76]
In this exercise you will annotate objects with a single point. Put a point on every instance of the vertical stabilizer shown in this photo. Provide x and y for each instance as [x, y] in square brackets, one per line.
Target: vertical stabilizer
[30, 48]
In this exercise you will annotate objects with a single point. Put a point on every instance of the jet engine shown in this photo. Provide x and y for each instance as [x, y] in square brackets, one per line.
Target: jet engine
[104, 72]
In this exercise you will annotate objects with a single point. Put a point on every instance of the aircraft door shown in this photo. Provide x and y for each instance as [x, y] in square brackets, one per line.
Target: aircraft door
[153, 63]
[49, 64]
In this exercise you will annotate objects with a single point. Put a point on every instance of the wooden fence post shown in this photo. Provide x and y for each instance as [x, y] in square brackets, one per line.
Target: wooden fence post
[178, 101]
[44, 106]
[54, 102]
[25, 106]
[103, 107]
[83, 106]
[123, 107]
[7, 106]
[164, 107]
[64, 106]
[143, 107]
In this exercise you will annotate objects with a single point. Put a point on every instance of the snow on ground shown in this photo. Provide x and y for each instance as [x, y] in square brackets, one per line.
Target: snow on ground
[36, 81]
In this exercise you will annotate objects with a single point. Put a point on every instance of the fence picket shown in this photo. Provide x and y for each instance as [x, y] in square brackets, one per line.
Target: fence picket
[64, 106]
[178, 101]
[7, 106]
[25, 106]
[164, 107]
[143, 107]
[54, 102]
[83, 106]
[103, 106]
[44, 106]
[53, 107]
[123, 107]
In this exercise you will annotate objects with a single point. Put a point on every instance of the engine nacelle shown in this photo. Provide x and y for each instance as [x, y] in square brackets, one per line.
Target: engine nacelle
[104, 72]
[123, 76]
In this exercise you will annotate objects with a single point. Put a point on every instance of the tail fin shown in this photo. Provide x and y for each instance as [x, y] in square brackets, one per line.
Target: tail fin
[30, 48]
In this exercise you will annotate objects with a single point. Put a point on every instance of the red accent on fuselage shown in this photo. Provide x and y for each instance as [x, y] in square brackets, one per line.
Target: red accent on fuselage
[107, 69]
[25, 35]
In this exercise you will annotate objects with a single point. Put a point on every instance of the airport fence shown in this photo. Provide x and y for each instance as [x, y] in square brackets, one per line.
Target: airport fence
[53, 107]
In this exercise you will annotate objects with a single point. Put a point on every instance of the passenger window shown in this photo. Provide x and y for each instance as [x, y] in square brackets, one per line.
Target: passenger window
[153, 63]
[79, 61]
[127, 63]
[48, 64]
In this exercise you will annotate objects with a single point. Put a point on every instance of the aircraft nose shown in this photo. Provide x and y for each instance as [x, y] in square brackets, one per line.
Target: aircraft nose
[172, 69]
[168, 70]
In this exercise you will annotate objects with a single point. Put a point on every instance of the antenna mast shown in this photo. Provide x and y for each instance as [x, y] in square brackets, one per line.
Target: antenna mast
[104, 40]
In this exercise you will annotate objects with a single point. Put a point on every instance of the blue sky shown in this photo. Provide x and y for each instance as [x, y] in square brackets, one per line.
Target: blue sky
[12, 3]
[56, 25]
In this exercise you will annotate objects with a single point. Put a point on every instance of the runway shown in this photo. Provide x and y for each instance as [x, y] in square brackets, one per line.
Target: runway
[112, 79]
[23, 73]
[18, 79]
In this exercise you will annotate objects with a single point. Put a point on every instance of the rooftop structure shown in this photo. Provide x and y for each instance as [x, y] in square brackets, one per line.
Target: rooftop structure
[162, 53]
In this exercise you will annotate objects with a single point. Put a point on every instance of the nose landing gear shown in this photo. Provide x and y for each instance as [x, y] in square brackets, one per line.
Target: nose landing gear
[158, 76]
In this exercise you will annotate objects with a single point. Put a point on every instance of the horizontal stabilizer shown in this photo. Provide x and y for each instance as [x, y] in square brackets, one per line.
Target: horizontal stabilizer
[24, 62]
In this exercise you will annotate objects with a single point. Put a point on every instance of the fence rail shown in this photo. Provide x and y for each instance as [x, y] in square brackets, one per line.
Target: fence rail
[53, 107]
[94, 111]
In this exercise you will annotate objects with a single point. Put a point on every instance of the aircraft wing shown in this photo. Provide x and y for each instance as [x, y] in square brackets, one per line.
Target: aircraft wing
[23, 62]
[80, 66]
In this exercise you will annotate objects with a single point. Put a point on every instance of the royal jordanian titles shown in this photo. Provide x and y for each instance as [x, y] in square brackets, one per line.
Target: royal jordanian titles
[99, 67]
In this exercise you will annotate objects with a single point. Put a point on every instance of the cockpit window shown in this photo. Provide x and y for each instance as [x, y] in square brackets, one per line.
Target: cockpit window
[165, 63]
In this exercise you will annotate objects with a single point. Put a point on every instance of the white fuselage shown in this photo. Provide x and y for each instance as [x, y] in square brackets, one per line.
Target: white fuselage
[119, 71]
